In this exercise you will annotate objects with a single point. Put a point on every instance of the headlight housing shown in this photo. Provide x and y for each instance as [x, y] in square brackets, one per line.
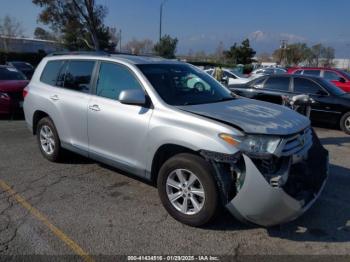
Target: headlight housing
[253, 145]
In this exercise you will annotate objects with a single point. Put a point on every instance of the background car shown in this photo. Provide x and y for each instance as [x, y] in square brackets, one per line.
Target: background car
[332, 105]
[26, 68]
[12, 83]
[230, 77]
[338, 77]
[266, 71]
[192, 81]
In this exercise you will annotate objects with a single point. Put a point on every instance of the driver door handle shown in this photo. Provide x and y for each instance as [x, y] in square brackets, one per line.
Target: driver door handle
[54, 98]
[94, 108]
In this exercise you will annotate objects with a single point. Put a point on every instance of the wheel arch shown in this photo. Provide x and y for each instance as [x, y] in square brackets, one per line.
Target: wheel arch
[37, 116]
[165, 152]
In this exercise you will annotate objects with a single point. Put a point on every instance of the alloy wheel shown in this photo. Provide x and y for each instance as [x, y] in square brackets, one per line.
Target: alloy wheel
[185, 191]
[47, 140]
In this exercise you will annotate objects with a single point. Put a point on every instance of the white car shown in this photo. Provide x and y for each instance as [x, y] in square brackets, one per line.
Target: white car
[266, 71]
[230, 77]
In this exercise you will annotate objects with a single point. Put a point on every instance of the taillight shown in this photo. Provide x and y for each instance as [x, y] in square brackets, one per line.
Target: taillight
[25, 92]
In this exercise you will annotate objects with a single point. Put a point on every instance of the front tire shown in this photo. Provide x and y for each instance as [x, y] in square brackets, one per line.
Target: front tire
[48, 140]
[187, 189]
[345, 123]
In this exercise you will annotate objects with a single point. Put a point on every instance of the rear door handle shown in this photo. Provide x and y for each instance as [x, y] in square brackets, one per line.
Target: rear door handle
[54, 98]
[94, 108]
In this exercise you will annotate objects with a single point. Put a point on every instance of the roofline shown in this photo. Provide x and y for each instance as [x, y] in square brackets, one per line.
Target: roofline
[29, 39]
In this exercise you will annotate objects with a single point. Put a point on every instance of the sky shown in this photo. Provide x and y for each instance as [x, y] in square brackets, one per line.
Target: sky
[201, 24]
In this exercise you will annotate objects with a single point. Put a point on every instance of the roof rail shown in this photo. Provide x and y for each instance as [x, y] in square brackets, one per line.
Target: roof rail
[92, 53]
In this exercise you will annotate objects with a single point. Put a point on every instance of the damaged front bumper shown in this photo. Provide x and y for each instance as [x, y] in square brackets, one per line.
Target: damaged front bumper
[277, 197]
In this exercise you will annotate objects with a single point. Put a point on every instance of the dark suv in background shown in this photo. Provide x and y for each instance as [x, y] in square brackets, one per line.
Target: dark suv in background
[331, 104]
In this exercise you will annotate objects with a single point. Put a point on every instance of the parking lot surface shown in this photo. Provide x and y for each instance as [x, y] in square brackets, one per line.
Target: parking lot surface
[55, 209]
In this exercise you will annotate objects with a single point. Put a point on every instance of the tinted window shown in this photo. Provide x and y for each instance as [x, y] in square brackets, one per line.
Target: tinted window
[113, 79]
[9, 73]
[306, 86]
[257, 82]
[279, 71]
[329, 75]
[51, 71]
[182, 84]
[298, 72]
[331, 88]
[277, 83]
[269, 71]
[312, 72]
[77, 76]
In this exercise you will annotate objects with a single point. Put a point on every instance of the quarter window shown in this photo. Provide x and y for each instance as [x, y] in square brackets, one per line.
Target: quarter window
[77, 77]
[50, 74]
[312, 72]
[277, 83]
[329, 75]
[306, 86]
[113, 79]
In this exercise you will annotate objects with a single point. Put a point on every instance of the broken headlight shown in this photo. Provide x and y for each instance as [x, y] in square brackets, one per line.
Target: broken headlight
[253, 145]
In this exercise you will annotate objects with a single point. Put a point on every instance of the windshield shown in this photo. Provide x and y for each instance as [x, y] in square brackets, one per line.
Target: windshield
[182, 84]
[8, 73]
[331, 87]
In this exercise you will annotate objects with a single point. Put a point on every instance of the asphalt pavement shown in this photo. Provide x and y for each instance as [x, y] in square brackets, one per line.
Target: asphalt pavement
[83, 206]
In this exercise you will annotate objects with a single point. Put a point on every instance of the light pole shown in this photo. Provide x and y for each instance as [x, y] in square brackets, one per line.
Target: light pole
[161, 18]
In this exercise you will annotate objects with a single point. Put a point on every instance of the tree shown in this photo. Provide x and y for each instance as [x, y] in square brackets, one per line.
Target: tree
[297, 53]
[137, 47]
[242, 54]
[166, 47]
[264, 57]
[79, 21]
[10, 27]
[328, 55]
[41, 33]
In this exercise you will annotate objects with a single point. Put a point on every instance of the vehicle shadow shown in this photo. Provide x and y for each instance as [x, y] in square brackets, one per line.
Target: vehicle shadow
[339, 141]
[12, 117]
[327, 221]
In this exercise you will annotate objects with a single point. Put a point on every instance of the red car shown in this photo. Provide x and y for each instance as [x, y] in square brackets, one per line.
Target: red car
[338, 77]
[12, 83]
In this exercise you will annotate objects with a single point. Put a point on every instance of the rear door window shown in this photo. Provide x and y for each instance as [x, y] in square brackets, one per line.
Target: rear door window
[306, 86]
[51, 71]
[277, 83]
[312, 72]
[77, 75]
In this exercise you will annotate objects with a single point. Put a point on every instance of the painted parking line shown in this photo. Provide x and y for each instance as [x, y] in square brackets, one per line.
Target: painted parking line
[55, 230]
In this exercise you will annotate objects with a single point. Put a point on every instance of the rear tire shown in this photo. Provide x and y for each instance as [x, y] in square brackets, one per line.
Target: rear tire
[196, 194]
[48, 140]
[345, 123]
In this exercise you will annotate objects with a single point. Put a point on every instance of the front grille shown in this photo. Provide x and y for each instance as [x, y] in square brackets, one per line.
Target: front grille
[16, 96]
[297, 144]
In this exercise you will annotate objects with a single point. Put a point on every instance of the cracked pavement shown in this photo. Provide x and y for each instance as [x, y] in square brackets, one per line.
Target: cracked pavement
[114, 214]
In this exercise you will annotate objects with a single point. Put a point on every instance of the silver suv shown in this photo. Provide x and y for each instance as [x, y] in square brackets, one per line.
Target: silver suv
[173, 124]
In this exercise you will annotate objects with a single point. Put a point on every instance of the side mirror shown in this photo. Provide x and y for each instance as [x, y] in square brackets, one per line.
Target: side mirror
[342, 80]
[132, 97]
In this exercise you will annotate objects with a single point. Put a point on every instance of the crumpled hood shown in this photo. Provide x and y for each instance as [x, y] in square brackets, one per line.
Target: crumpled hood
[253, 116]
